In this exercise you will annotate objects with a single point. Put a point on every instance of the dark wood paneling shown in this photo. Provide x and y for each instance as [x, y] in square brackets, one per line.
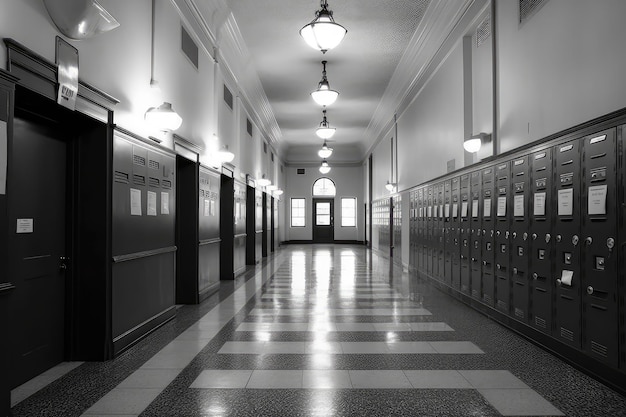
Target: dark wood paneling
[227, 227]
[187, 231]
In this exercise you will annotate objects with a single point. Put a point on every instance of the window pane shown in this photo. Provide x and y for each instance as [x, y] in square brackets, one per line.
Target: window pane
[322, 220]
[298, 212]
[348, 212]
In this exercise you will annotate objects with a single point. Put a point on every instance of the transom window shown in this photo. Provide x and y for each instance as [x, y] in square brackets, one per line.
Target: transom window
[324, 187]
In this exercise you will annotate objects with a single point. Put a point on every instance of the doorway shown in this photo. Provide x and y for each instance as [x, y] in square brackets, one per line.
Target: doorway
[323, 220]
[38, 249]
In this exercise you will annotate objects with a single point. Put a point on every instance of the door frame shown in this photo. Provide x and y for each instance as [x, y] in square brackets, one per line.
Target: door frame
[330, 200]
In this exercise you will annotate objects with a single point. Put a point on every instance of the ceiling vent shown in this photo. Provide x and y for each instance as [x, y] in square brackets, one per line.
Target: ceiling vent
[527, 8]
[483, 31]
[80, 19]
[300, 171]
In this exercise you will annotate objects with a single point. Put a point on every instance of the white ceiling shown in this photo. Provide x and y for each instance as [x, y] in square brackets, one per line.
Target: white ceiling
[360, 68]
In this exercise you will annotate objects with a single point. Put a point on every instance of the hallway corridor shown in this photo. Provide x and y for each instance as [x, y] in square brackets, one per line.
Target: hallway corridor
[326, 330]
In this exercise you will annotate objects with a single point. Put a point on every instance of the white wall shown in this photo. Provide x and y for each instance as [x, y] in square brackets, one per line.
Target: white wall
[382, 166]
[563, 67]
[430, 131]
[118, 63]
[482, 90]
[348, 182]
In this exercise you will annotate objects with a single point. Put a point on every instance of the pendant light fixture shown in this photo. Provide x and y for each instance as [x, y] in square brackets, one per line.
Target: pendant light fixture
[325, 152]
[324, 96]
[163, 117]
[323, 33]
[324, 168]
[325, 131]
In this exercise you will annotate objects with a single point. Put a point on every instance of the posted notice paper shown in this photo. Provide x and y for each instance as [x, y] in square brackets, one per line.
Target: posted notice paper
[596, 202]
[539, 208]
[518, 205]
[152, 204]
[566, 202]
[135, 202]
[487, 207]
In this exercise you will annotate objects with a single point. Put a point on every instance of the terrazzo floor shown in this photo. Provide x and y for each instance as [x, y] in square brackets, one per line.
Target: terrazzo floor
[323, 330]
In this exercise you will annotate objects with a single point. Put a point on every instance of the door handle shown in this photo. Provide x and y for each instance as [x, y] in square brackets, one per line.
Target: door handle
[62, 262]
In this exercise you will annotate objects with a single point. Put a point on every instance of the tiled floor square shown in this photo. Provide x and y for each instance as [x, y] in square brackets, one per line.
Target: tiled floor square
[410, 347]
[456, 347]
[324, 347]
[392, 327]
[263, 379]
[131, 401]
[242, 348]
[376, 379]
[323, 326]
[324, 379]
[149, 378]
[355, 327]
[283, 347]
[185, 346]
[430, 327]
[519, 402]
[218, 378]
[492, 379]
[169, 360]
[364, 347]
[444, 379]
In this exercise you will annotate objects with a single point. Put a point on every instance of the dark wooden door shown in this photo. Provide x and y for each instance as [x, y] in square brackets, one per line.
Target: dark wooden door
[323, 220]
[37, 265]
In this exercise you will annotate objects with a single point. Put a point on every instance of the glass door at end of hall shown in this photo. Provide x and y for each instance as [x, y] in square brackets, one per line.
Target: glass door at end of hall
[323, 221]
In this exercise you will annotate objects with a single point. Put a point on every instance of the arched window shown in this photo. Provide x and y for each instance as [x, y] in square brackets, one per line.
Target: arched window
[324, 187]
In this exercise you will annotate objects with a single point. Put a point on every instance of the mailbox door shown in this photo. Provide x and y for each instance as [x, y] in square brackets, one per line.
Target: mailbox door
[541, 252]
[519, 188]
[567, 244]
[599, 237]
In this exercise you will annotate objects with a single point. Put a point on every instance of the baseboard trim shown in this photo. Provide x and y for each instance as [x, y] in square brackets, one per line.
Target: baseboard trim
[303, 242]
[134, 335]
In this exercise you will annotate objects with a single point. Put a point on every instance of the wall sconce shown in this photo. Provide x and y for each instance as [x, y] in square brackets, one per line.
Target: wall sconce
[390, 186]
[163, 117]
[271, 188]
[225, 155]
[473, 143]
[278, 192]
[263, 182]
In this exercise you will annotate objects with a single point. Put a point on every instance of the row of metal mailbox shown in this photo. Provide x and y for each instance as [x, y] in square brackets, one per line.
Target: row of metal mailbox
[534, 237]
